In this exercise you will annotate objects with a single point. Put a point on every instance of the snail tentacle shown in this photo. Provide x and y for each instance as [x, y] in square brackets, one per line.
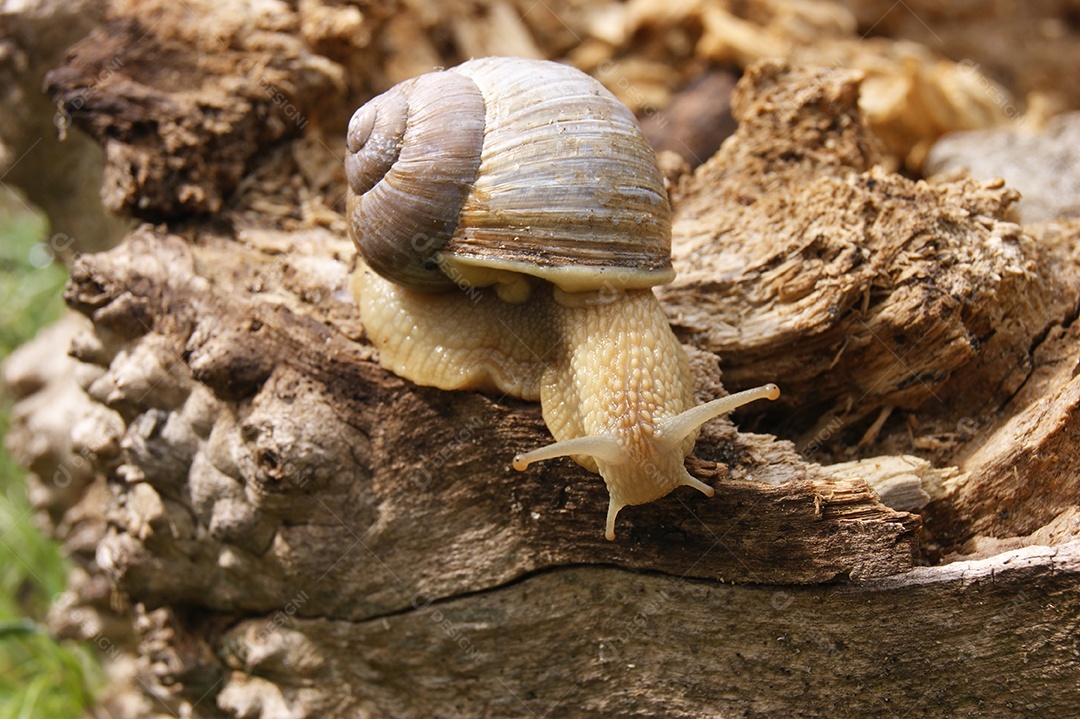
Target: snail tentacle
[675, 429]
[604, 448]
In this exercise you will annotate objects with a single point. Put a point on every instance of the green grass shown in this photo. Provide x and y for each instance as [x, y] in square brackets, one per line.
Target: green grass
[39, 675]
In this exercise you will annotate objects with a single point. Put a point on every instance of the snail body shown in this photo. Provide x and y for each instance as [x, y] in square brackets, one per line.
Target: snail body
[528, 185]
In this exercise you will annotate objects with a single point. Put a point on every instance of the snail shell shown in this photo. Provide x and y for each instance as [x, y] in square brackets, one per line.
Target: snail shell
[503, 167]
[497, 172]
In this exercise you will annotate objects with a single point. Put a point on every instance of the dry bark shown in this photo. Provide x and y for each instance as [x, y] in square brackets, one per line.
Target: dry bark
[269, 524]
[800, 261]
[1030, 49]
[56, 166]
[281, 431]
[1044, 166]
[601, 642]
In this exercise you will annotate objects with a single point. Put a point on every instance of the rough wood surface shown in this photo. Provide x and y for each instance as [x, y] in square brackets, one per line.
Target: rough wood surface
[268, 524]
[996, 40]
[317, 446]
[657, 647]
[56, 166]
[600, 642]
[1044, 166]
[802, 262]
[180, 128]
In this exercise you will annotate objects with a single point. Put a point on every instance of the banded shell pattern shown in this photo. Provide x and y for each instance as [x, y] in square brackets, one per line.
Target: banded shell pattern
[506, 165]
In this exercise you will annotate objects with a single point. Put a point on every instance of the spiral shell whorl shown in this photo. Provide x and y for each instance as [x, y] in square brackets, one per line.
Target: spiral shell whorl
[373, 143]
[413, 155]
[506, 165]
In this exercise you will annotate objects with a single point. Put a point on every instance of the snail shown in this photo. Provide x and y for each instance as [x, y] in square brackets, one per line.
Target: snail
[512, 222]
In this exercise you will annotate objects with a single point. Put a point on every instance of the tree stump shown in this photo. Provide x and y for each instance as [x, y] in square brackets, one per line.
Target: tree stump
[269, 524]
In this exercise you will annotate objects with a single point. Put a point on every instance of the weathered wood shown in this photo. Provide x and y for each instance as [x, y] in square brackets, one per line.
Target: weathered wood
[269, 524]
[993, 638]
[55, 165]
[696, 122]
[323, 447]
[801, 262]
[1043, 165]
[993, 43]
[183, 113]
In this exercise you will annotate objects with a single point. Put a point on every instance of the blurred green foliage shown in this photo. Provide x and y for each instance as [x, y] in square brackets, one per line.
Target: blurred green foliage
[39, 675]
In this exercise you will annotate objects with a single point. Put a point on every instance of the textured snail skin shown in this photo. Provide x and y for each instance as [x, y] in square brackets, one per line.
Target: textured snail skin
[613, 381]
[511, 223]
